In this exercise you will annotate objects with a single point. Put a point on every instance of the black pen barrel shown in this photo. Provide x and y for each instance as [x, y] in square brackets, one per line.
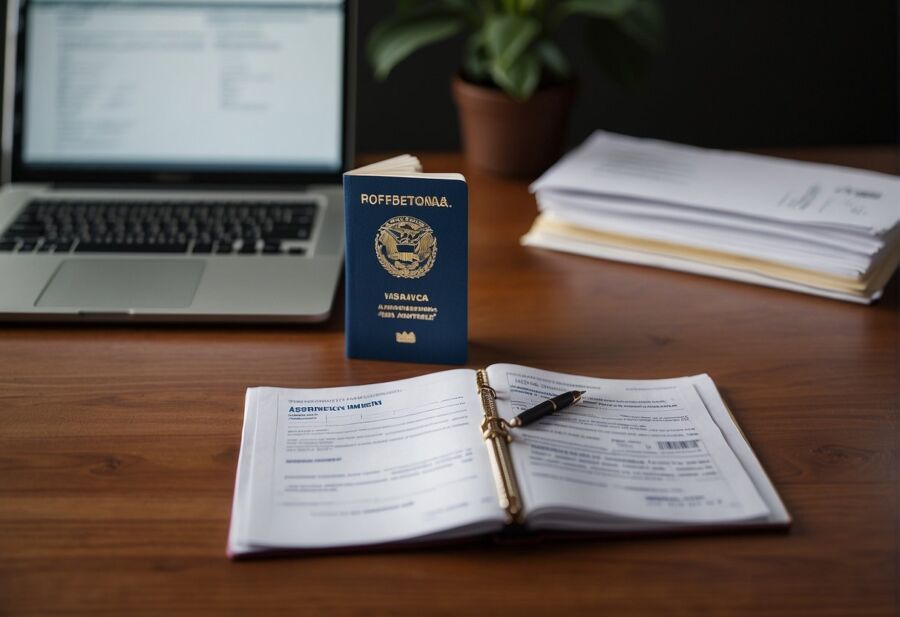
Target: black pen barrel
[546, 408]
[536, 413]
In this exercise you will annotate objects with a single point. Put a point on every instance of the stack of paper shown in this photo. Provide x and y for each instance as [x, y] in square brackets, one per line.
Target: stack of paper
[819, 229]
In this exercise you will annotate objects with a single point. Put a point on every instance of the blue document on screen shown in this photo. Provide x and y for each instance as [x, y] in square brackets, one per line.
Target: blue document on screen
[407, 263]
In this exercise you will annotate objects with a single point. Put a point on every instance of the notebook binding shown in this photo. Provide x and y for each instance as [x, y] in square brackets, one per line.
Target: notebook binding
[495, 432]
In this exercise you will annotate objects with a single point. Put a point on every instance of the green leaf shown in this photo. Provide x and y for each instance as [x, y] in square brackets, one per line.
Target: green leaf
[521, 78]
[476, 67]
[552, 57]
[395, 39]
[508, 36]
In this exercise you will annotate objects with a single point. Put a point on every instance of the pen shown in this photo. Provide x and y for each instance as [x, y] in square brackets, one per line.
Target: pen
[566, 399]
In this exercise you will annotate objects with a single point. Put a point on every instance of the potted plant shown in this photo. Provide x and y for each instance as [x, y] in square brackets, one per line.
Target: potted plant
[515, 85]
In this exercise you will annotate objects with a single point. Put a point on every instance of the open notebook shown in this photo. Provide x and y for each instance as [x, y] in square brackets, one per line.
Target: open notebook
[430, 458]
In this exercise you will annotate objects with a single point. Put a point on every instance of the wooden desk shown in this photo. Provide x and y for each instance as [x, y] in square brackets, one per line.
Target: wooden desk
[118, 447]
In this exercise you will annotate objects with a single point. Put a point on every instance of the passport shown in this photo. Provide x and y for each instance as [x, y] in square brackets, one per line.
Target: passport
[406, 270]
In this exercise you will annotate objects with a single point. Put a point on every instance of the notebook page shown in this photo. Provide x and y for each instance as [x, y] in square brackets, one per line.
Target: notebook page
[639, 450]
[237, 529]
[368, 464]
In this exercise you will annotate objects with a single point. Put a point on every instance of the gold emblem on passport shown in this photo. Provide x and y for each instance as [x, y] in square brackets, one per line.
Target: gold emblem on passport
[406, 247]
[406, 337]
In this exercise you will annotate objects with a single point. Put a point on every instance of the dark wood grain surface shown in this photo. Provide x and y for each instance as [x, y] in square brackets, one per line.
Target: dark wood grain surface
[118, 447]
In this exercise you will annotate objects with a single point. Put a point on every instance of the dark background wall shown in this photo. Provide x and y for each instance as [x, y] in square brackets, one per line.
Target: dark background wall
[734, 73]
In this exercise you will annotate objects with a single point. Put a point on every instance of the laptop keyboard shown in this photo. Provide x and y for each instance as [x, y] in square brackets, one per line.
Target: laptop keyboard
[190, 227]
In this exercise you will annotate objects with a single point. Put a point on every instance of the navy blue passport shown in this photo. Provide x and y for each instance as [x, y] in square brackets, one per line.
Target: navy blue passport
[407, 263]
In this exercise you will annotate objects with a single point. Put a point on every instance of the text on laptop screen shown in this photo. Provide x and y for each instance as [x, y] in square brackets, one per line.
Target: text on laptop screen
[221, 84]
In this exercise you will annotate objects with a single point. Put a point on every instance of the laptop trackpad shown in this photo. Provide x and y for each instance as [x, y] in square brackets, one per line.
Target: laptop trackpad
[105, 284]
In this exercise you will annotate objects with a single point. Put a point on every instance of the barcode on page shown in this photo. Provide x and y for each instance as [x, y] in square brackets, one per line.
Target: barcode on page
[678, 445]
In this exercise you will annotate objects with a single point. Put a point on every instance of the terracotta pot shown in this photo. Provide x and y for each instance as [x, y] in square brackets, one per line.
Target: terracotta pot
[504, 136]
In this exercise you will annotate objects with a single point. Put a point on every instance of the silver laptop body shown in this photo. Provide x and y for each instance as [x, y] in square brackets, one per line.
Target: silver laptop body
[174, 161]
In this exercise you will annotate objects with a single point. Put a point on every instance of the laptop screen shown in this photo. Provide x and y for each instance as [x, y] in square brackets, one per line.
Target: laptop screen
[214, 85]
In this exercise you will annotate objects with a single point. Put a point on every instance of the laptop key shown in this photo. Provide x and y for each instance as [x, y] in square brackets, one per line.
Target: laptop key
[248, 248]
[291, 231]
[29, 231]
[7, 245]
[202, 248]
[27, 246]
[157, 247]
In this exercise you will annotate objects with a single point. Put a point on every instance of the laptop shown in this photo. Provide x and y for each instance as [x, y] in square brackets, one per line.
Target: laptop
[174, 159]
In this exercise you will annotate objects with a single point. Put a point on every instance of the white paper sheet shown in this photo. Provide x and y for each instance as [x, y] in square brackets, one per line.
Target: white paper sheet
[646, 215]
[746, 184]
